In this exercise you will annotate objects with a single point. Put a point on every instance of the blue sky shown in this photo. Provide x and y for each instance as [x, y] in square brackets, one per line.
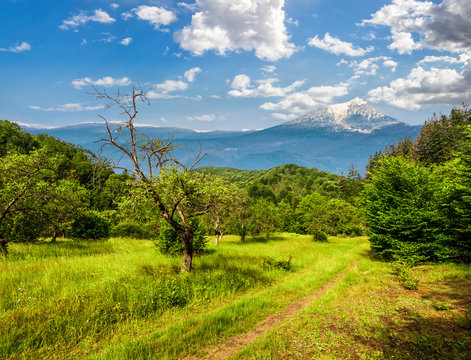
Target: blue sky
[232, 64]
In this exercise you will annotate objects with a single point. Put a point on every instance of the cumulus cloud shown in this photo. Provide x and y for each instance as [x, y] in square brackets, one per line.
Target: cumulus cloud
[231, 25]
[24, 46]
[370, 66]
[338, 47]
[242, 87]
[426, 87]
[156, 16]
[114, 5]
[106, 81]
[73, 107]
[444, 26]
[299, 103]
[82, 18]
[126, 41]
[168, 88]
[191, 74]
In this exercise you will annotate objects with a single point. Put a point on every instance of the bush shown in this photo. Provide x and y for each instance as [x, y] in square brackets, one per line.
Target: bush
[90, 226]
[169, 243]
[320, 236]
[270, 263]
[130, 229]
[22, 228]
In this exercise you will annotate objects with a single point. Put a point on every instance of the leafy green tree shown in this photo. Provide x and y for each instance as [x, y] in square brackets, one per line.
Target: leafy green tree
[25, 185]
[65, 202]
[15, 141]
[265, 217]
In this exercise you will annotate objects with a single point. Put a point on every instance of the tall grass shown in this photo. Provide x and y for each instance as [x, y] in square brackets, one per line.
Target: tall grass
[78, 299]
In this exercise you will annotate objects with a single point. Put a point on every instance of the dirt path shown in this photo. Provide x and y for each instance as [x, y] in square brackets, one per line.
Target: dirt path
[235, 343]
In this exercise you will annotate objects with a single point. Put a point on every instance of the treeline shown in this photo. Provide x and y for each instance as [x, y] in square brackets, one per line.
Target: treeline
[417, 197]
[50, 188]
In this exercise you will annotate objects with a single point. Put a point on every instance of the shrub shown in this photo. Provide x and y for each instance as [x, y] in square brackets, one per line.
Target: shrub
[270, 263]
[320, 236]
[22, 229]
[402, 270]
[169, 243]
[130, 229]
[90, 226]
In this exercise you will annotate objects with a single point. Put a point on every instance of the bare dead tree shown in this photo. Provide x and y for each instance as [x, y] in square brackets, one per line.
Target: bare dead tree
[150, 160]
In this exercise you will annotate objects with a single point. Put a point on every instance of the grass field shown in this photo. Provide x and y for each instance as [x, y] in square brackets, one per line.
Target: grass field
[121, 299]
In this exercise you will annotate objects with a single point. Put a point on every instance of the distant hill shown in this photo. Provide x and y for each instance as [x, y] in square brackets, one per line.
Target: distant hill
[331, 139]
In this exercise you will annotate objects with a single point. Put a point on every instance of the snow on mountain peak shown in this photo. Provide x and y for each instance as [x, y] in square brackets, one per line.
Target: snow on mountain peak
[355, 115]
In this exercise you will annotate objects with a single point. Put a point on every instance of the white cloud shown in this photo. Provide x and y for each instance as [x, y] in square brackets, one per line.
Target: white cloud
[426, 87]
[192, 7]
[126, 41]
[114, 5]
[157, 16]
[242, 87]
[191, 74]
[73, 107]
[24, 46]
[463, 59]
[106, 81]
[370, 66]
[285, 117]
[338, 47]
[303, 101]
[268, 68]
[80, 19]
[205, 117]
[215, 97]
[231, 25]
[172, 85]
[444, 26]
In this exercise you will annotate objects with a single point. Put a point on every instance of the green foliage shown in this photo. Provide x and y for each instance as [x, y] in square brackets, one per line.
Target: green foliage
[169, 243]
[21, 228]
[90, 226]
[269, 263]
[405, 276]
[15, 141]
[402, 211]
[440, 139]
[320, 236]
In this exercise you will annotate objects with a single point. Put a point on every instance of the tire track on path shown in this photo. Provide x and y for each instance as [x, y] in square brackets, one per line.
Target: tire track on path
[232, 345]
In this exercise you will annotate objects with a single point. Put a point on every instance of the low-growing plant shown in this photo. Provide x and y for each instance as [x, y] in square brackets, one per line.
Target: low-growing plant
[402, 270]
[270, 263]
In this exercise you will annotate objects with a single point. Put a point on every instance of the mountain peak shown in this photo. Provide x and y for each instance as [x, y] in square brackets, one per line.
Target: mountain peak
[355, 115]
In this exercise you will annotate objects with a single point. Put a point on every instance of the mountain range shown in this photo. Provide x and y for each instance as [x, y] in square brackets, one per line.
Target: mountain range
[331, 138]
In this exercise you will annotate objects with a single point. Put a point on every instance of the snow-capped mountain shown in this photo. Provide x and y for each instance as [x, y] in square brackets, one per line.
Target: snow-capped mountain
[331, 138]
[356, 115]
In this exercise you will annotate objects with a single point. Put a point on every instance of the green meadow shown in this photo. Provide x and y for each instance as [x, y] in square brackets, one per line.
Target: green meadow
[122, 299]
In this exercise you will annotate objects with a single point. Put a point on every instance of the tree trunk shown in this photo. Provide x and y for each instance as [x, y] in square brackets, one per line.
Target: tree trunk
[222, 234]
[242, 233]
[186, 238]
[3, 247]
[54, 236]
[216, 239]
